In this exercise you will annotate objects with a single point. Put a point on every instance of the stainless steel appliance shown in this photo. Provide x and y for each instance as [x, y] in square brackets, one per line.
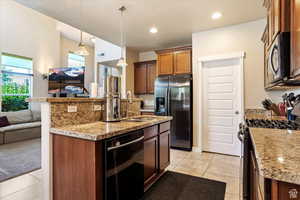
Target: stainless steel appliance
[279, 59]
[112, 87]
[124, 167]
[173, 97]
[244, 137]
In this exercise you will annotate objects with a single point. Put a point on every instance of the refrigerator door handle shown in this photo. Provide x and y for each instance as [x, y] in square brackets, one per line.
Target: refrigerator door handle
[168, 101]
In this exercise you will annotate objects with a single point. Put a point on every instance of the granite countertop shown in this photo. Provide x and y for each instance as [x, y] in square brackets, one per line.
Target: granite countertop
[69, 99]
[277, 153]
[103, 130]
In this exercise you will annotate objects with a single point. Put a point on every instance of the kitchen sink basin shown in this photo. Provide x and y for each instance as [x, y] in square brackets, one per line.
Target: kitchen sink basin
[138, 119]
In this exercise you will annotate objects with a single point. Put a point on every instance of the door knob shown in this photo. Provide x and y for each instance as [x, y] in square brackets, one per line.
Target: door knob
[237, 112]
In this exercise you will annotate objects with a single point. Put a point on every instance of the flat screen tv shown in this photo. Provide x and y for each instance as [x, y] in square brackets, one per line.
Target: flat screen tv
[66, 80]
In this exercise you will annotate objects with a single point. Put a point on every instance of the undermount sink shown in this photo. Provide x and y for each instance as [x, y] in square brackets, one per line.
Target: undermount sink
[138, 119]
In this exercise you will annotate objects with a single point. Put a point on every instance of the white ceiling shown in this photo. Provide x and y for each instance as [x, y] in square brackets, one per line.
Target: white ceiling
[73, 33]
[176, 20]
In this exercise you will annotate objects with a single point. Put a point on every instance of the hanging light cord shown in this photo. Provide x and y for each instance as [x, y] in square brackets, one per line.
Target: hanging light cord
[122, 9]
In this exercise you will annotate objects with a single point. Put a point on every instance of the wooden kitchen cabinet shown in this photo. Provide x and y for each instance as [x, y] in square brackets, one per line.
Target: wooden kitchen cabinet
[140, 77]
[164, 150]
[144, 77]
[174, 61]
[150, 158]
[151, 75]
[182, 62]
[295, 39]
[156, 152]
[278, 17]
[165, 63]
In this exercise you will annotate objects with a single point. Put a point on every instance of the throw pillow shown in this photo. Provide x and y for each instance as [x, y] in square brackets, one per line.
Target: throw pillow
[4, 121]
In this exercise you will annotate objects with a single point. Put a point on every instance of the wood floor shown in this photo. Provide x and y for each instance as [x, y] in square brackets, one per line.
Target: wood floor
[208, 165]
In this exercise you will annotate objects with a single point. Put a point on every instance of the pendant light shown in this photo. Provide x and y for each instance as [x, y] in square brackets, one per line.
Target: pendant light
[122, 62]
[82, 50]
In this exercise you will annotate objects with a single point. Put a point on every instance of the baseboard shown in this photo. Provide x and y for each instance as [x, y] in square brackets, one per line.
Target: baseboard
[197, 149]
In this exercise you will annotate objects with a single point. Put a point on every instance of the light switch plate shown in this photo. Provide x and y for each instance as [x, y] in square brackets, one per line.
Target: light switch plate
[97, 107]
[72, 108]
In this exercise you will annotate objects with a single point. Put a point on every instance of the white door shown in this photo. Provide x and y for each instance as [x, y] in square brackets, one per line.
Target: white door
[222, 105]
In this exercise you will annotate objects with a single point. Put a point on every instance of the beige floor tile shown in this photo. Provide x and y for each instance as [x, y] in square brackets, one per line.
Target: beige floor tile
[16, 184]
[232, 184]
[32, 192]
[200, 156]
[224, 169]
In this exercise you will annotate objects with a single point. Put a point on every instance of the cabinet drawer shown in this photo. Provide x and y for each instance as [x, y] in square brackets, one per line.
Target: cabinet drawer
[150, 132]
[287, 191]
[164, 127]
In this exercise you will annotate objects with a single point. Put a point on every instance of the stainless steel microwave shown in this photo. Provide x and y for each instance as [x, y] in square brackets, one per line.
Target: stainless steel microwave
[278, 66]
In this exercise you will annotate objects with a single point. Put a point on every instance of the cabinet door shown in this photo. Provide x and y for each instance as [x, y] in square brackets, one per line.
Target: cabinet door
[287, 191]
[295, 38]
[140, 78]
[165, 64]
[164, 150]
[151, 75]
[276, 17]
[150, 158]
[182, 62]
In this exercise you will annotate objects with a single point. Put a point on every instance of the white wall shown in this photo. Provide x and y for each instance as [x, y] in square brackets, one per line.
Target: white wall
[67, 46]
[243, 37]
[26, 32]
[147, 55]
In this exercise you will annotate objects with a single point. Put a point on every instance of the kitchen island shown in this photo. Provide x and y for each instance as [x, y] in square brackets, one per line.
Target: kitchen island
[274, 162]
[74, 141]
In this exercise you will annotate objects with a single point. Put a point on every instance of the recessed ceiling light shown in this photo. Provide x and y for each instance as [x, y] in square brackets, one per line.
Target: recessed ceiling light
[93, 39]
[216, 15]
[153, 30]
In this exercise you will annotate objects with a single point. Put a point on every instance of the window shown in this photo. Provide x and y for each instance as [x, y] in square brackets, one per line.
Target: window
[16, 82]
[75, 60]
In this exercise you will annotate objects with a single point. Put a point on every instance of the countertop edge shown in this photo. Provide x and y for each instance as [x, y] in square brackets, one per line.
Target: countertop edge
[87, 136]
[69, 100]
[287, 177]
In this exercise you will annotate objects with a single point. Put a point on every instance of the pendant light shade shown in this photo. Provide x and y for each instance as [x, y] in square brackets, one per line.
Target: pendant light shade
[82, 50]
[122, 62]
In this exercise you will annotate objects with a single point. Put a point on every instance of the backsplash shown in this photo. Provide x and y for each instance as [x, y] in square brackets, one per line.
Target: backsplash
[85, 114]
[148, 100]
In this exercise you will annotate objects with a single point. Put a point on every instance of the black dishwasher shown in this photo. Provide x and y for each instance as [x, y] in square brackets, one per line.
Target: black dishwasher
[124, 167]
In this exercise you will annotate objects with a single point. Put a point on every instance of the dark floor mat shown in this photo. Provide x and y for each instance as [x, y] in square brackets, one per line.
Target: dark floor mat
[175, 186]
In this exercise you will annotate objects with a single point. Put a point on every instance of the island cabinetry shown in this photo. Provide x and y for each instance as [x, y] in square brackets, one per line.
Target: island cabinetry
[77, 169]
[78, 163]
[156, 152]
[150, 153]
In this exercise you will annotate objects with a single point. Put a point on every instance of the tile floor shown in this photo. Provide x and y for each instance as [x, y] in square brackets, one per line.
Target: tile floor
[207, 165]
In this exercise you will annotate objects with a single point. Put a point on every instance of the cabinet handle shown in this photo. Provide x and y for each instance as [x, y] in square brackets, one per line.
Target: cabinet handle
[293, 194]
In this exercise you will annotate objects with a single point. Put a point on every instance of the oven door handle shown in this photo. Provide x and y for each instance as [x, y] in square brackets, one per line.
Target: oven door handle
[240, 136]
[126, 144]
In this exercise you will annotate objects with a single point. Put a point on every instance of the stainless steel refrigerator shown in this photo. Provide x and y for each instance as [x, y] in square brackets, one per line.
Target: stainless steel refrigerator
[173, 97]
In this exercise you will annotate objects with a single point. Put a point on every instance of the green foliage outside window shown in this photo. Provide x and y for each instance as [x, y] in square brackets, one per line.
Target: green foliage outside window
[14, 94]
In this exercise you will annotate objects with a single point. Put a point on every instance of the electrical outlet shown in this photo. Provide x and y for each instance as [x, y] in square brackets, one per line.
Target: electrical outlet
[72, 108]
[97, 107]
